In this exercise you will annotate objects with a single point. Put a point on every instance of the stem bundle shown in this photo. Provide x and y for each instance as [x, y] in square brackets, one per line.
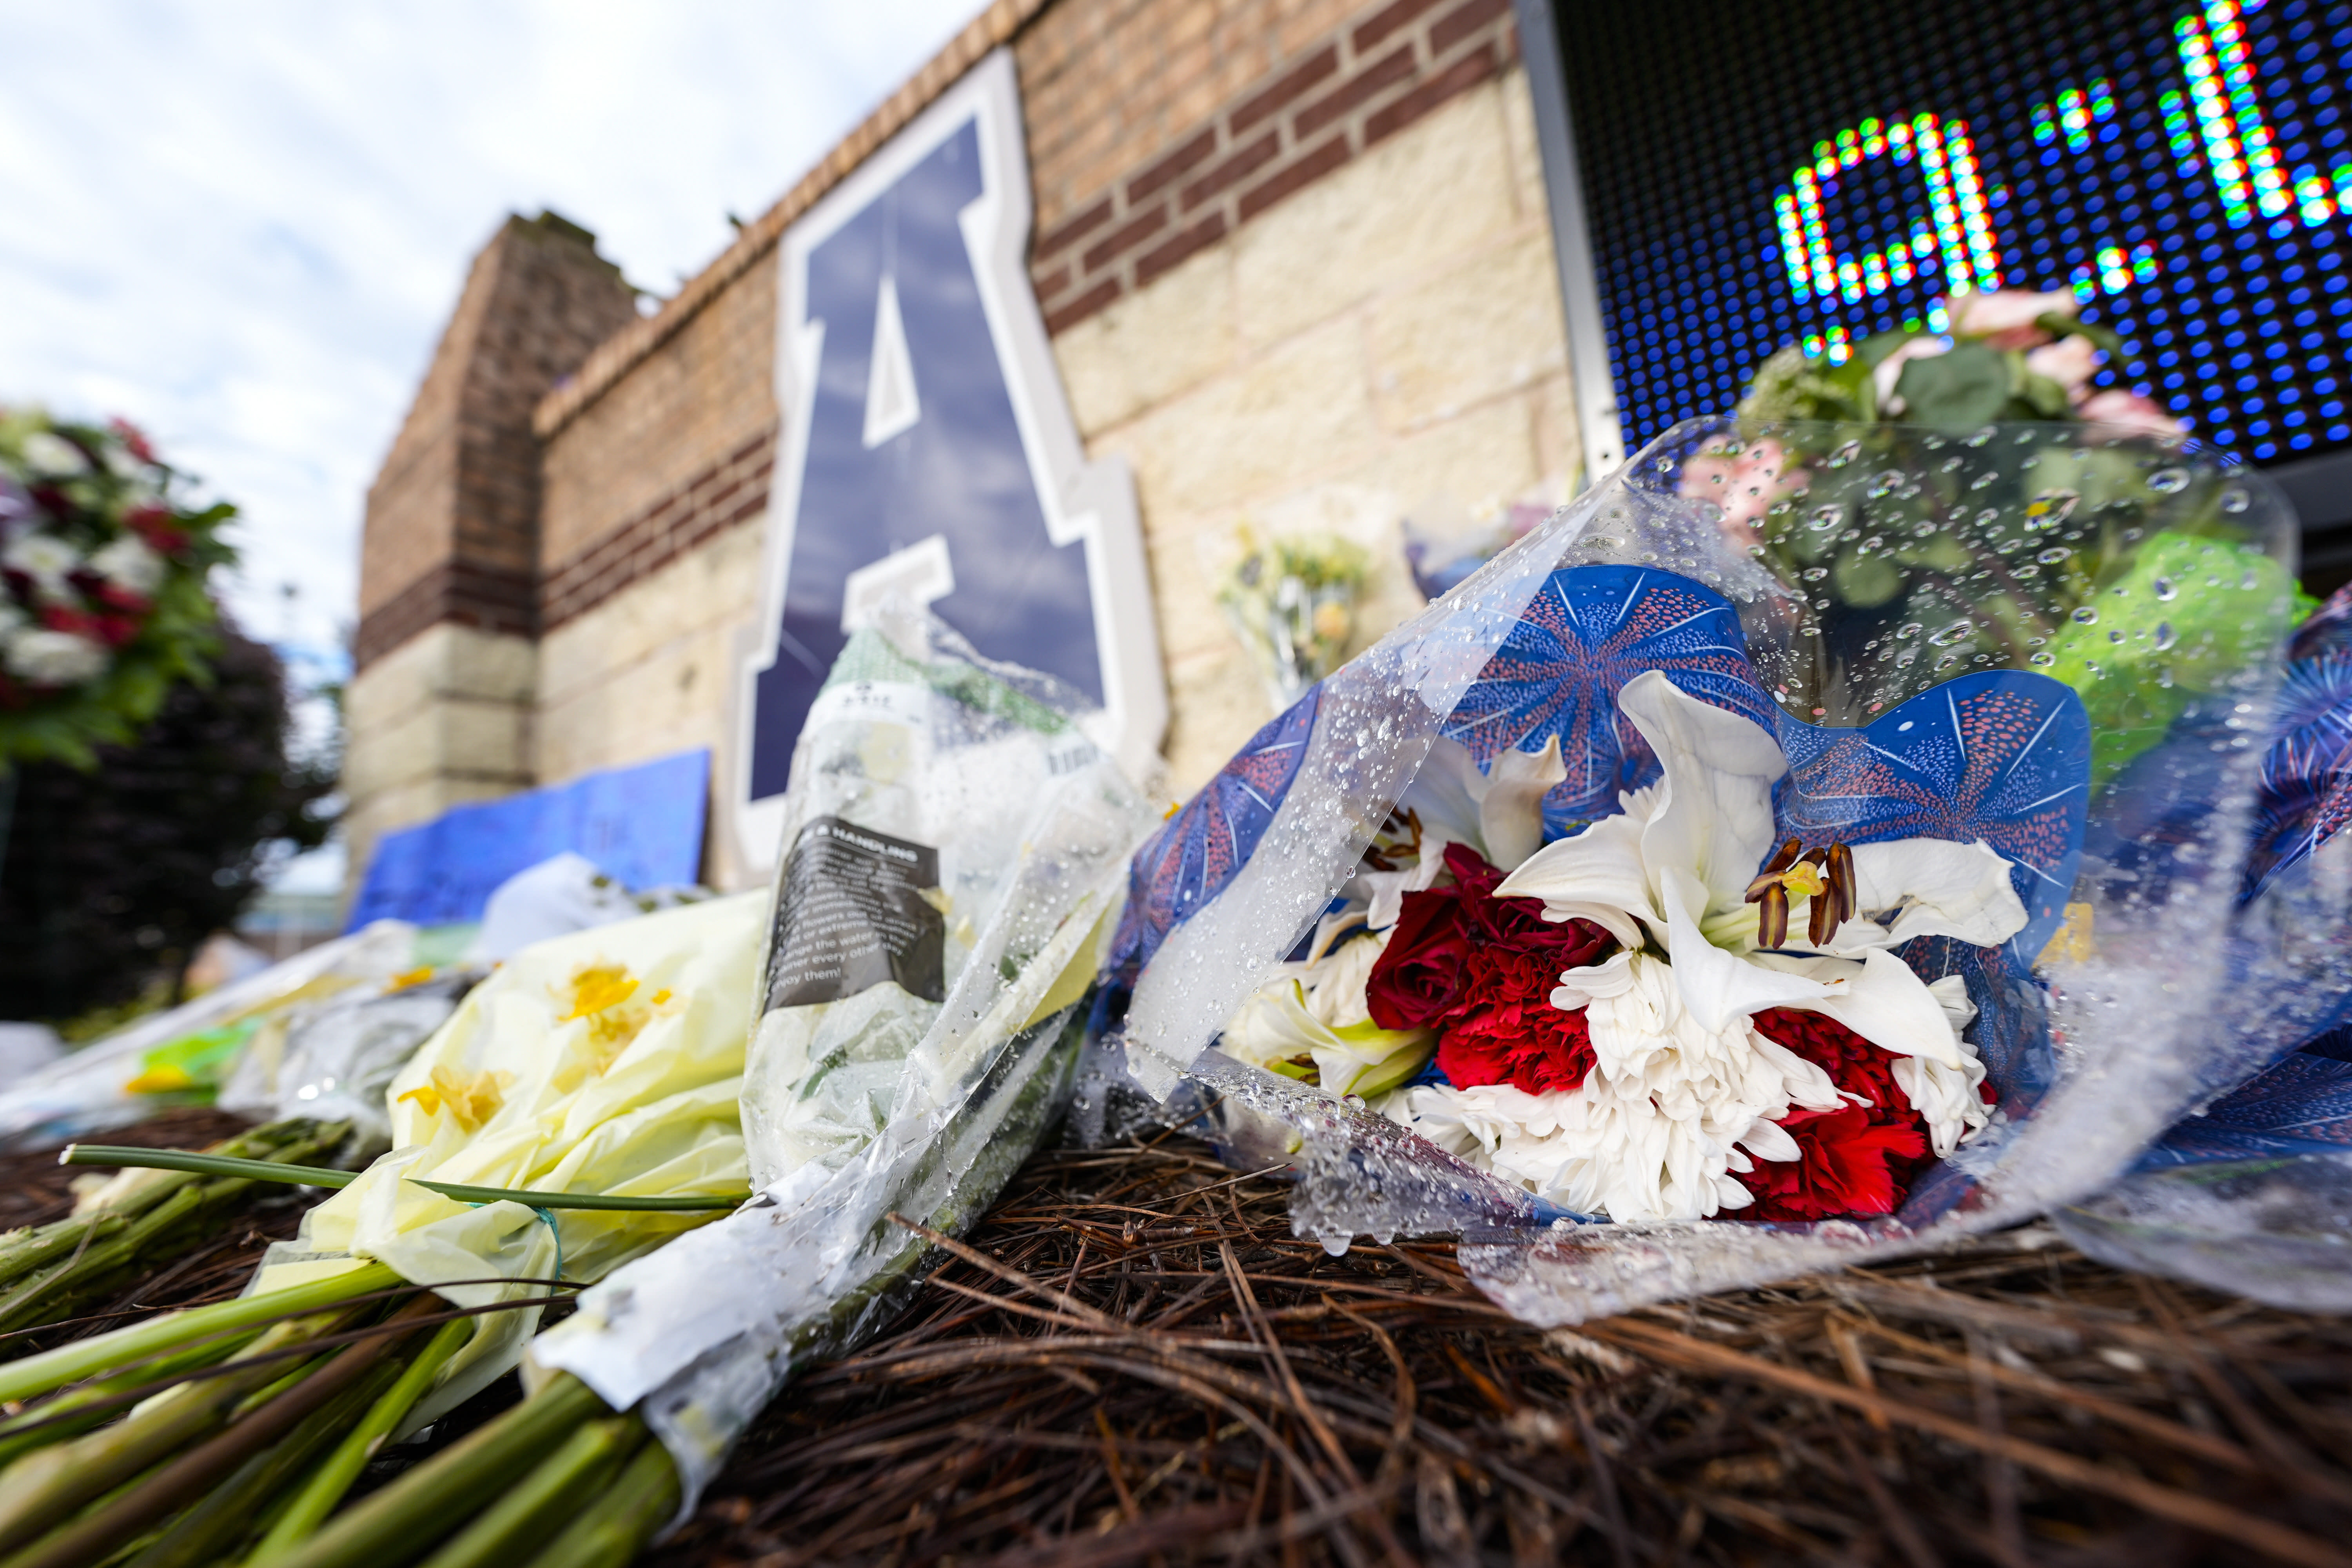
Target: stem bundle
[50, 1272]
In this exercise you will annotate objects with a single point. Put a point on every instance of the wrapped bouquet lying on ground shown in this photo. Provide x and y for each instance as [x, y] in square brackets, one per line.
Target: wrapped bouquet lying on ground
[577, 1111]
[1814, 841]
[955, 848]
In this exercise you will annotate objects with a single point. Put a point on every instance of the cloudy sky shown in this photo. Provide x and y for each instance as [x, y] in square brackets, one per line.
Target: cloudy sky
[243, 223]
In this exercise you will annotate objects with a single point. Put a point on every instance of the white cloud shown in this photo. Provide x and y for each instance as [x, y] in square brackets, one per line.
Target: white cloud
[242, 223]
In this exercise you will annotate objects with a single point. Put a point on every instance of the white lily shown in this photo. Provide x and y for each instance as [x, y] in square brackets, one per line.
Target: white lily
[1499, 813]
[1673, 873]
[1685, 1090]
[1312, 1016]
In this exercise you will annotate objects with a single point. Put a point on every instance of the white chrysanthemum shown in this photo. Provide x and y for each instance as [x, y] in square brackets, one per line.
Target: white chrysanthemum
[51, 456]
[130, 565]
[48, 560]
[46, 658]
[1672, 1108]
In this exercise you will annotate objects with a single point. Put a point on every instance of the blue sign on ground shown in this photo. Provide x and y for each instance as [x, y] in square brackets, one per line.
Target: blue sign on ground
[642, 825]
[929, 452]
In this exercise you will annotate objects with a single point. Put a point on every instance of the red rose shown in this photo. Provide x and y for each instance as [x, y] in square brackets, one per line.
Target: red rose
[1858, 1159]
[1417, 979]
[59, 618]
[132, 438]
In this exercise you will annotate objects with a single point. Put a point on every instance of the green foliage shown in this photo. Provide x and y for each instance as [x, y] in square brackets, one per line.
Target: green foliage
[112, 876]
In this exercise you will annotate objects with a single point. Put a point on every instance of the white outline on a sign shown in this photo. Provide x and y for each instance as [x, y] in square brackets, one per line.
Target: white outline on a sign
[1092, 502]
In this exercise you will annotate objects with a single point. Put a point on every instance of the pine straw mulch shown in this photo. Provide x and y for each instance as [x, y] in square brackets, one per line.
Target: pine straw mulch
[1132, 1360]
[35, 1189]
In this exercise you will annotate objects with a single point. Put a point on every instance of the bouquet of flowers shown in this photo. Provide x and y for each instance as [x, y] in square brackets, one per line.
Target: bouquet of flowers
[103, 597]
[1291, 600]
[1815, 824]
[577, 1111]
[955, 846]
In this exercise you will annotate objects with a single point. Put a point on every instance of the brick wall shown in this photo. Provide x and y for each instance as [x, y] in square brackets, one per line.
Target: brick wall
[1226, 145]
[452, 526]
[1297, 265]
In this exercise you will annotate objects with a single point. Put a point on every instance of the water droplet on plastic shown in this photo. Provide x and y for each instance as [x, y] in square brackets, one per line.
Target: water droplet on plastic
[2051, 508]
[2168, 481]
[2042, 659]
[2050, 557]
[2165, 636]
[2086, 616]
[2250, 581]
[1959, 631]
[2165, 590]
[1824, 518]
[2235, 499]
[1845, 454]
[1908, 629]
[2115, 636]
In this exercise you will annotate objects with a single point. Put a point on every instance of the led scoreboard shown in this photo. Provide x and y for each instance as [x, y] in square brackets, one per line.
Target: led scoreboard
[1765, 173]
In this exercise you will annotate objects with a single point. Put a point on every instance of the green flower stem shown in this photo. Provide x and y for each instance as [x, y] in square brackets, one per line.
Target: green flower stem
[617, 1525]
[212, 1529]
[326, 1485]
[44, 1488]
[47, 1420]
[550, 1497]
[414, 1513]
[107, 1353]
[186, 1475]
[318, 1177]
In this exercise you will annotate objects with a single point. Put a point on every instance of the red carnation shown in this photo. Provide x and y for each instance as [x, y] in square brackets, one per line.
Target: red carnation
[1481, 971]
[1858, 1159]
[1509, 1032]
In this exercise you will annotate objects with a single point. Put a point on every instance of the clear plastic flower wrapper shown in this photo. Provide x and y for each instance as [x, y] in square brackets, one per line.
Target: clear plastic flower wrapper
[1814, 841]
[954, 852]
[182, 1055]
[2252, 1191]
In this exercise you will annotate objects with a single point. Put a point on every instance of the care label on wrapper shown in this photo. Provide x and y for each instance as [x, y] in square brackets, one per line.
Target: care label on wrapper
[853, 913]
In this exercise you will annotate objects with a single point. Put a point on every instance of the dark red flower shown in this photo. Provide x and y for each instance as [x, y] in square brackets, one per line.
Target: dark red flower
[154, 524]
[1859, 1159]
[1419, 976]
[133, 438]
[1481, 971]
[1509, 1032]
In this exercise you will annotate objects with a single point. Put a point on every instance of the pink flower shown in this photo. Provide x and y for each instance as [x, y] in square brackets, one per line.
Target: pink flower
[1744, 485]
[2129, 411]
[2069, 362]
[2005, 318]
[1890, 371]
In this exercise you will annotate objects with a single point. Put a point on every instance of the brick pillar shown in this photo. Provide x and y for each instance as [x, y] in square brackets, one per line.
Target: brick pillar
[446, 656]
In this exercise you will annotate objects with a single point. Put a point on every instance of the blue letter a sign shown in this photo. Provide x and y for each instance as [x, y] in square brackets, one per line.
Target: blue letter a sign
[930, 451]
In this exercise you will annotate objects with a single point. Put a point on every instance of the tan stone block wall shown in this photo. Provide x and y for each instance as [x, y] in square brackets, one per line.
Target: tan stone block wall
[651, 670]
[1391, 333]
[445, 719]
